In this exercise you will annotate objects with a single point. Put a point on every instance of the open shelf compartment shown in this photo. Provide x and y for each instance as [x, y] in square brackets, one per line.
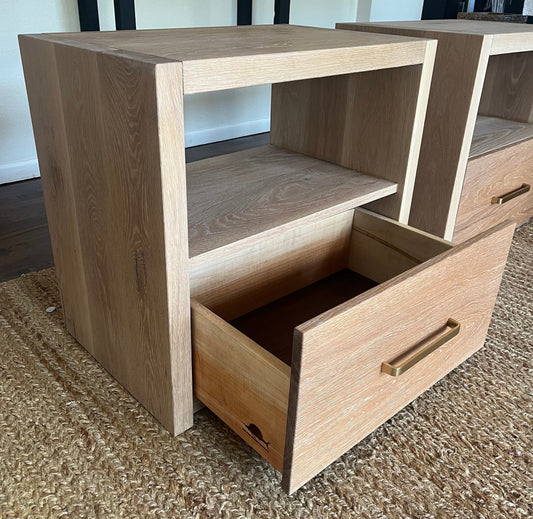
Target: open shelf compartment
[493, 133]
[505, 113]
[478, 128]
[328, 137]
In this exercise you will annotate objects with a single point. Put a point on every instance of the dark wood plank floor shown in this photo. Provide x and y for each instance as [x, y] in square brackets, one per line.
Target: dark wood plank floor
[24, 239]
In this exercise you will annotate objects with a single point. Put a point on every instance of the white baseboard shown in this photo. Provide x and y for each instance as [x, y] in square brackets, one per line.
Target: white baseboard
[23, 170]
[15, 171]
[223, 133]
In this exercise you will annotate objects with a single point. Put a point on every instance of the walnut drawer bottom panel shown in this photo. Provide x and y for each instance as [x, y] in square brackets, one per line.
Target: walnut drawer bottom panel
[488, 178]
[302, 393]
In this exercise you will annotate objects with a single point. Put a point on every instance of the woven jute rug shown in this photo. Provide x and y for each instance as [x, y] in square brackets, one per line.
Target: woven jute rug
[74, 443]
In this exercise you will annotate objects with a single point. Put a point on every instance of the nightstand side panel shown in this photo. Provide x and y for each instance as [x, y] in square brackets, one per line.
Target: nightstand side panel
[124, 282]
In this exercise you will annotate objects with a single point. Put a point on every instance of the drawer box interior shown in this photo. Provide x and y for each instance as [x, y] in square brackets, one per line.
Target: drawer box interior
[244, 319]
[298, 340]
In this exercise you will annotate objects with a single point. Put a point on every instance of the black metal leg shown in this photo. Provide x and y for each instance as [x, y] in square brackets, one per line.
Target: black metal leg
[244, 12]
[281, 11]
[88, 13]
[125, 14]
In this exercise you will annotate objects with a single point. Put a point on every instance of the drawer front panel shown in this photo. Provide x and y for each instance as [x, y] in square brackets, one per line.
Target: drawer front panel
[490, 176]
[339, 393]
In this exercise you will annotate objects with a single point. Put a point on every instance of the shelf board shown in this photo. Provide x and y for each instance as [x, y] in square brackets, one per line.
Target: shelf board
[217, 58]
[493, 133]
[237, 196]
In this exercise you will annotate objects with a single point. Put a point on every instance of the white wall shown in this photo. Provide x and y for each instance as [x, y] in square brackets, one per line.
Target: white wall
[320, 13]
[17, 150]
[388, 10]
[208, 117]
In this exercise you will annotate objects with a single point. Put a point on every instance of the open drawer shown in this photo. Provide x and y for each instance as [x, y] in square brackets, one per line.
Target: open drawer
[387, 312]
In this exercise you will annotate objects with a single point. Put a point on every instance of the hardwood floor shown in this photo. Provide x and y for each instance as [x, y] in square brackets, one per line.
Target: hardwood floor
[24, 239]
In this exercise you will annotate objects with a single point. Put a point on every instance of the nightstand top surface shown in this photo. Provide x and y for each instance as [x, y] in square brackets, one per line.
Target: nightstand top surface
[193, 44]
[461, 26]
[249, 52]
[507, 37]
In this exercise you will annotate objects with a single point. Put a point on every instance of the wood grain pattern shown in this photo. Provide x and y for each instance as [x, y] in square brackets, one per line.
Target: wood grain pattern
[24, 229]
[510, 42]
[349, 120]
[242, 383]
[449, 123]
[508, 87]
[507, 37]
[216, 58]
[238, 196]
[108, 113]
[231, 284]
[467, 52]
[493, 133]
[382, 248]
[488, 176]
[44, 98]
[117, 135]
[337, 399]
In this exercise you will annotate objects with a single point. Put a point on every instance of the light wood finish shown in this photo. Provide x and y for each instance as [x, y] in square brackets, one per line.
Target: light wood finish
[232, 284]
[480, 66]
[349, 120]
[337, 399]
[216, 58]
[109, 130]
[449, 124]
[488, 176]
[242, 383]
[133, 228]
[240, 195]
[382, 248]
[52, 147]
[338, 393]
[493, 133]
[510, 41]
[507, 87]
[506, 37]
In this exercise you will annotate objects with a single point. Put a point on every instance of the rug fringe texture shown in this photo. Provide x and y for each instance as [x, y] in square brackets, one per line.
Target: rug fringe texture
[74, 443]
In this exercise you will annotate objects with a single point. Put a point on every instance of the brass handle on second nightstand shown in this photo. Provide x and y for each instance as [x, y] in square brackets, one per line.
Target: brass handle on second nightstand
[396, 371]
[524, 188]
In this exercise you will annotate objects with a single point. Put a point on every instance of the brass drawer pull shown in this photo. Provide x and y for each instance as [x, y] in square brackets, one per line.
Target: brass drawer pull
[396, 371]
[524, 188]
